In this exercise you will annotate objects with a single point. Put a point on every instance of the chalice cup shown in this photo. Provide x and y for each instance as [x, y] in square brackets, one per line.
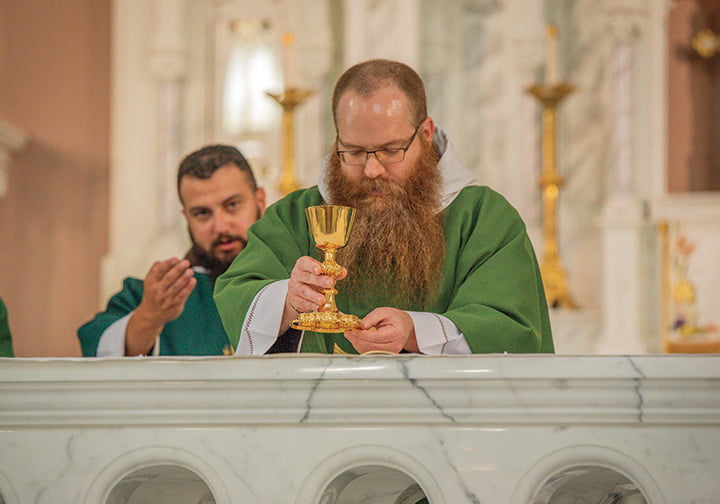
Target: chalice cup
[330, 226]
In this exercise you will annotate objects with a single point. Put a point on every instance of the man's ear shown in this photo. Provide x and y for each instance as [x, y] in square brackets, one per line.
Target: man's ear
[428, 129]
[260, 197]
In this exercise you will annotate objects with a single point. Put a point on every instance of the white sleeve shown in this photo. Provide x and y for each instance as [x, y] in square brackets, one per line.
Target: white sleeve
[437, 335]
[112, 341]
[261, 326]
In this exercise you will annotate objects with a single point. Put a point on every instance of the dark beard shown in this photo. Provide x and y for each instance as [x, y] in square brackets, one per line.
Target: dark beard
[215, 266]
[201, 257]
[397, 244]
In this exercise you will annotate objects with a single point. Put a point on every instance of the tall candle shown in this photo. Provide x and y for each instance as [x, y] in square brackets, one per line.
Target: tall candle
[551, 55]
[288, 62]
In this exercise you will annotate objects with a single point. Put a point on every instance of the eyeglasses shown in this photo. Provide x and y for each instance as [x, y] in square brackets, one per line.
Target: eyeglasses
[385, 156]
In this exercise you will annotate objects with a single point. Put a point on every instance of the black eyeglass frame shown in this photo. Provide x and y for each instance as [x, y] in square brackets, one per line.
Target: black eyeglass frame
[367, 153]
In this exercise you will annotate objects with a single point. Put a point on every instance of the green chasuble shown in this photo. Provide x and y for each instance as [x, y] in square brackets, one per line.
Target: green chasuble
[197, 331]
[6, 349]
[491, 285]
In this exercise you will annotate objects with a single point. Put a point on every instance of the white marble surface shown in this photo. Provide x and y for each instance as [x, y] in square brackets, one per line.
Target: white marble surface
[481, 429]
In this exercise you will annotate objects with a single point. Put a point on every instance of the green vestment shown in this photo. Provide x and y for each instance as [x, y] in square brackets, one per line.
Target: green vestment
[6, 349]
[197, 331]
[490, 289]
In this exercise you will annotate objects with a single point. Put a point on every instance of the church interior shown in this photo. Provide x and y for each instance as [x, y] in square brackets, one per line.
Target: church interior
[598, 121]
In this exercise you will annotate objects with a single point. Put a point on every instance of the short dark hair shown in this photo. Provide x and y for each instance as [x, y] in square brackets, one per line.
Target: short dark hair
[367, 77]
[204, 162]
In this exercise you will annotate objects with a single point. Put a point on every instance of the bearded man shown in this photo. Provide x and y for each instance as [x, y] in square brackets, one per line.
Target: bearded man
[437, 264]
[171, 311]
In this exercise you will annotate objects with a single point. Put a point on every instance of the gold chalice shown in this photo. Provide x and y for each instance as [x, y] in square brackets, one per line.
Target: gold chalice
[330, 226]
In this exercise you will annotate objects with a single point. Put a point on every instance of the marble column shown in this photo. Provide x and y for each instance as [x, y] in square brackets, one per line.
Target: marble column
[527, 37]
[168, 66]
[149, 64]
[314, 43]
[622, 220]
[389, 29]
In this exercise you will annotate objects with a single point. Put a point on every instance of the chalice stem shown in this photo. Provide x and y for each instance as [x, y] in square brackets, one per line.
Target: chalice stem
[333, 270]
[329, 266]
[329, 305]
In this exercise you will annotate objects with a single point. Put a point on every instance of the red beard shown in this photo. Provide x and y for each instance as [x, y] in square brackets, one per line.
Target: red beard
[397, 244]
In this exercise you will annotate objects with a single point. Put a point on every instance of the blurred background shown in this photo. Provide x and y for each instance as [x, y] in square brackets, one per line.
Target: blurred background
[100, 99]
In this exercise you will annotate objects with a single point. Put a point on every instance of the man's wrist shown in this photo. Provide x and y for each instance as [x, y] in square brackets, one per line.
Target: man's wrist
[141, 332]
[148, 321]
[411, 344]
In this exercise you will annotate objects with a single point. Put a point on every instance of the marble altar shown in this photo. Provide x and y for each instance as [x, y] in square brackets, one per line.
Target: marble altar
[372, 429]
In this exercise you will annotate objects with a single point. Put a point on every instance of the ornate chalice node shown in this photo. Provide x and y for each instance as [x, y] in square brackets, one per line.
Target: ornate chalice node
[330, 226]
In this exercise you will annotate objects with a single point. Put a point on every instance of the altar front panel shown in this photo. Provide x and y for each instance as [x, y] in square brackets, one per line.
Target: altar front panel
[309, 429]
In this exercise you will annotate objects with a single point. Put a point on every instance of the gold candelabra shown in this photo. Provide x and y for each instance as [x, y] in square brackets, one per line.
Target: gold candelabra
[553, 273]
[289, 100]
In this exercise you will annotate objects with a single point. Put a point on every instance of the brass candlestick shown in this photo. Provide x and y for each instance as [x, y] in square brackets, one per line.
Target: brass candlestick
[706, 43]
[663, 228]
[289, 100]
[330, 226]
[553, 274]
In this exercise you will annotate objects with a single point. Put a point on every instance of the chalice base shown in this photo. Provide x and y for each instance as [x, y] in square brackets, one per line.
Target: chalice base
[329, 322]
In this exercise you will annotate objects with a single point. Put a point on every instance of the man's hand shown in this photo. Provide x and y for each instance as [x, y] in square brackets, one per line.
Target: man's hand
[166, 288]
[305, 289]
[393, 331]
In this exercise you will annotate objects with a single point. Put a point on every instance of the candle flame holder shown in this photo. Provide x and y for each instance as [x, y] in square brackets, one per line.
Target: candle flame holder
[289, 100]
[553, 274]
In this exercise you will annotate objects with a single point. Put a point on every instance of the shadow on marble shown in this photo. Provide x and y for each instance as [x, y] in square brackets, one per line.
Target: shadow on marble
[589, 485]
[369, 484]
[373, 484]
[161, 484]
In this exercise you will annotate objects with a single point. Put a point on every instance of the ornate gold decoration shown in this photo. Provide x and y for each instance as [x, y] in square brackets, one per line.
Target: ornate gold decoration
[553, 273]
[706, 43]
[330, 226]
[663, 229]
[249, 29]
[681, 331]
[289, 100]
[339, 351]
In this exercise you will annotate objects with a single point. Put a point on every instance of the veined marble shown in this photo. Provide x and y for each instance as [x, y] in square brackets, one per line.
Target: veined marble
[335, 429]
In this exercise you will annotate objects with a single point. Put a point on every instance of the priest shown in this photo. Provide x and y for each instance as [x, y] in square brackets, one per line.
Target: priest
[435, 264]
[171, 311]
